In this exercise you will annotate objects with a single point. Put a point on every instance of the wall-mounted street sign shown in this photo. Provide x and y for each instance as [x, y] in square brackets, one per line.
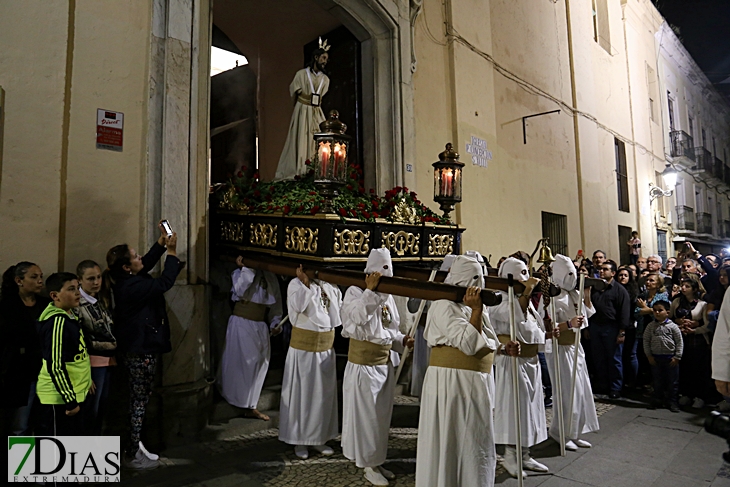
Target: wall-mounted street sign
[480, 155]
[109, 130]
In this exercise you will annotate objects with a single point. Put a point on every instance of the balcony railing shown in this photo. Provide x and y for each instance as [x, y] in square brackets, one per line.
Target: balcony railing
[726, 227]
[685, 218]
[682, 144]
[704, 223]
[703, 158]
[718, 169]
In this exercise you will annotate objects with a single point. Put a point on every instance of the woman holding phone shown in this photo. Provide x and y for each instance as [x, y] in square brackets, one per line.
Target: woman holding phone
[141, 327]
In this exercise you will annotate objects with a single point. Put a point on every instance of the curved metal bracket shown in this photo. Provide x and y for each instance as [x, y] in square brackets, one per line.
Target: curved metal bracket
[657, 192]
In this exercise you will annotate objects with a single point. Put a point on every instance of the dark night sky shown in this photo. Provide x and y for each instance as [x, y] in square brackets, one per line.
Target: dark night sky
[705, 32]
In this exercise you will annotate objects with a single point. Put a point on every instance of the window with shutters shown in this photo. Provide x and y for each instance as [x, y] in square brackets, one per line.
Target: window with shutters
[555, 227]
[622, 177]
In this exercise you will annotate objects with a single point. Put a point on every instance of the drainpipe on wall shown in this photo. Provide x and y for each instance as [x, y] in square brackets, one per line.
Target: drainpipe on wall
[576, 130]
[449, 23]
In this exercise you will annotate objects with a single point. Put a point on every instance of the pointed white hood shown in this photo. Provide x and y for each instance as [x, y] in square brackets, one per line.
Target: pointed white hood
[379, 261]
[448, 261]
[564, 273]
[465, 271]
[516, 267]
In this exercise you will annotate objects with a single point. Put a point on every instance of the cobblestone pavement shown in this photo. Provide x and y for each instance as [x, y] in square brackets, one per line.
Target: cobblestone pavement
[260, 459]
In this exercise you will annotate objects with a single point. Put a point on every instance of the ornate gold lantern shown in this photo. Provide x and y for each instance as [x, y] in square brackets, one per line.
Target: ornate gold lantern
[330, 160]
[447, 180]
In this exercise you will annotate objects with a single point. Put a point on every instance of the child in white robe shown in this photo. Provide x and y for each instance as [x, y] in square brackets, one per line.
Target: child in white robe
[308, 411]
[370, 320]
[530, 334]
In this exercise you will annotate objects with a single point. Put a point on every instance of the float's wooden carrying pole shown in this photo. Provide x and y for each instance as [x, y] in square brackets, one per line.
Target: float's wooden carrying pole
[515, 380]
[490, 282]
[412, 331]
[431, 291]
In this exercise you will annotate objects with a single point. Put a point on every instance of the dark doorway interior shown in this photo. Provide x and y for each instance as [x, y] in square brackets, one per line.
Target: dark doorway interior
[624, 235]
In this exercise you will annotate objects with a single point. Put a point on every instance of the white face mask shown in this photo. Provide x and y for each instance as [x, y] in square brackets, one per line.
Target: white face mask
[564, 274]
[465, 271]
[516, 267]
[379, 261]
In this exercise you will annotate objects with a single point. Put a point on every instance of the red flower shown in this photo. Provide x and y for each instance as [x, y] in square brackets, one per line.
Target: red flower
[375, 204]
[307, 162]
[313, 192]
[361, 189]
[300, 208]
[353, 212]
[397, 189]
[349, 187]
[257, 193]
[361, 206]
[314, 210]
[375, 214]
[385, 212]
[372, 191]
[343, 212]
[286, 209]
[256, 175]
[392, 203]
[240, 174]
[272, 188]
[413, 195]
[366, 215]
[270, 207]
[405, 190]
[297, 177]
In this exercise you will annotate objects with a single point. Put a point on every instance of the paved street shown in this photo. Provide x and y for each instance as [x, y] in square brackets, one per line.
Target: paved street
[635, 447]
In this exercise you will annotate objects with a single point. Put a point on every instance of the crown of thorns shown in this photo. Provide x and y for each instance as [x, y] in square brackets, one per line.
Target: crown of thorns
[324, 45]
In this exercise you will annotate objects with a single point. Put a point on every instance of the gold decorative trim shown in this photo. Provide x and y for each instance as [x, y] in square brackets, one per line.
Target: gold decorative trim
[263, 234]
[440, 244]
[401, 242]
[351, 242]
[403, 213]
[232, 231]
[301, 239]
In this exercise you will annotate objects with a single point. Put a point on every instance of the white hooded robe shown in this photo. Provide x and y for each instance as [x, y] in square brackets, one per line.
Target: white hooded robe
[367, 390]
[455, 443]
[308, 410]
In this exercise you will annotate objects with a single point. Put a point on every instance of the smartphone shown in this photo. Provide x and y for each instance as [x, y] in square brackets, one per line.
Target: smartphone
[168, 229]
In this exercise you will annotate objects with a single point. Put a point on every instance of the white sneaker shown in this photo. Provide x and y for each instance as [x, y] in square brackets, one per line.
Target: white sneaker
[698, 403]
[582, 443]
[375, 477]
[324, 450]
[140, 462]
[386, 473]
[510, 461]
[529, 463]
[685, 401]
[301, 451]
[571, 446]
[723, 406]
[151, 456]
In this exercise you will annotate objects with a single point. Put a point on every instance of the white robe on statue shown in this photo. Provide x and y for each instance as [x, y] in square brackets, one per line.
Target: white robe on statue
[583, 418]
[455, 443]
[308, 411]
[305, 120]
[247, 350]
[532, 405]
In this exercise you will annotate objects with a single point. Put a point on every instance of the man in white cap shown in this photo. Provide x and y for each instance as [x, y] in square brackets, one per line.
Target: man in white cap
[370, 320]
[582, 419]
[530, 334]
[455, 443]
[308, 411]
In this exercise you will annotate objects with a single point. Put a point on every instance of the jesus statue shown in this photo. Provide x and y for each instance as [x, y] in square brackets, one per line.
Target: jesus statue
[309, 86]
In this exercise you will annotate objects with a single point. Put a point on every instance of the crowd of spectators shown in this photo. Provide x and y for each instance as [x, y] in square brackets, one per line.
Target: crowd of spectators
[652, 331]
[63, 337]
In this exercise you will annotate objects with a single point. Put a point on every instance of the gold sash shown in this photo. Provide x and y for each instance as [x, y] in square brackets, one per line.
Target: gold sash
[250, 311]
[305, 99]
[453, 358]
[311, 341]
[527, 350]
[566, 338]
[368, 353]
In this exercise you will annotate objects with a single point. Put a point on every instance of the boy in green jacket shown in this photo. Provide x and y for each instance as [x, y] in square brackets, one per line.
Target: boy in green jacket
[65, 377]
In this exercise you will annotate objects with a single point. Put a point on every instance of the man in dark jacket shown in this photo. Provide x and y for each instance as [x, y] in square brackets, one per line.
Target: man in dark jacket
[607, 330]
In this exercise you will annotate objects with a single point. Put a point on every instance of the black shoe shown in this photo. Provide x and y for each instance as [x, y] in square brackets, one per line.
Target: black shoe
[674, 407]
[614, 395]
[548, 403]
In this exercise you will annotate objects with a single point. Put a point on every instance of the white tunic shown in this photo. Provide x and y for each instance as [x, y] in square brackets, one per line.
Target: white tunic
[247, 350]
[367, 390]
[305, 120]
[532, 405]
[308, 411]
[583, 418]
[455, 443]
